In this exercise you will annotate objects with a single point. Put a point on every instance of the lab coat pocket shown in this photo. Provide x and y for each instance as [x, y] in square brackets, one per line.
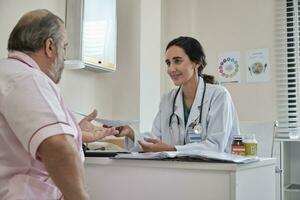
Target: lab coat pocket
[25, 187]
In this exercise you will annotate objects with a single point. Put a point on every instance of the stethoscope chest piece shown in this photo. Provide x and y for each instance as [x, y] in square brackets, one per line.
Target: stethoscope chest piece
[198, 129]
[194, 133]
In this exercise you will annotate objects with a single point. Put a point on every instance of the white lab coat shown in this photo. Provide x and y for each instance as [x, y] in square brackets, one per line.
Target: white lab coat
[219, 120]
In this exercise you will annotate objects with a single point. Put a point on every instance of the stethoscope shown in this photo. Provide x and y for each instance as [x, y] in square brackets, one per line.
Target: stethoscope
[195, 126]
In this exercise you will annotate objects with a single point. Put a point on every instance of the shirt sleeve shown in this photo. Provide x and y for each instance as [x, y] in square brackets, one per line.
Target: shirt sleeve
[34, 111]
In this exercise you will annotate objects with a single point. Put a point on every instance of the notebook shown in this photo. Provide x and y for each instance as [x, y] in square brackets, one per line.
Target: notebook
[188, 155]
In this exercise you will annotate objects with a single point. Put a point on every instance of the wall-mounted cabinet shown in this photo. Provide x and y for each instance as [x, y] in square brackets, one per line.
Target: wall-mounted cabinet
[92, 33]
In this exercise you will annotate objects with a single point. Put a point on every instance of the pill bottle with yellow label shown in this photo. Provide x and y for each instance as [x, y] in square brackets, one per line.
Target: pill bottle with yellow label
[250, 145]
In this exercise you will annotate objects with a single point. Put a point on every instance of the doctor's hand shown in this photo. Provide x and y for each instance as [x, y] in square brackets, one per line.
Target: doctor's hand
[125, 131]
[92, 133]
[154, 145]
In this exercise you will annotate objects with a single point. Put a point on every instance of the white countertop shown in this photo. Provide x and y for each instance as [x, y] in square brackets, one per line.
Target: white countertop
[218, 166]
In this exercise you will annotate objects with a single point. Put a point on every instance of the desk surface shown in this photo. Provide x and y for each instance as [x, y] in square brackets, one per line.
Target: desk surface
[154, 179]
[218, 166]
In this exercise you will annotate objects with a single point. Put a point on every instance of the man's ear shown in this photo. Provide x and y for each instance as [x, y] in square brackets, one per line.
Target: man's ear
[50, 48]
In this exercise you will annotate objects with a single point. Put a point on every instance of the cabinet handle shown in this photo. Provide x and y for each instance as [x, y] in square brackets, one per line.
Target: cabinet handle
[278, 170]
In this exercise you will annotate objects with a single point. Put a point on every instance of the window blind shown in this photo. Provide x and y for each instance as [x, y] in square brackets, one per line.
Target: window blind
[287, 65]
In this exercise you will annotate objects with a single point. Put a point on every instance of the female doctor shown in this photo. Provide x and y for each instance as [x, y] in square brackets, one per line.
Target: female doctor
[198, 115]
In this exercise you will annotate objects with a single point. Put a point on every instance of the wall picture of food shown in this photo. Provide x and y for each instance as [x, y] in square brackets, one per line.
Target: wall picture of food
[258, 68]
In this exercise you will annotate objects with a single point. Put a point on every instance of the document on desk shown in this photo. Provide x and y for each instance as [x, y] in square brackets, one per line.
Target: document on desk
[218, 156]
[148, 156]
[113, 123]
[193, 155]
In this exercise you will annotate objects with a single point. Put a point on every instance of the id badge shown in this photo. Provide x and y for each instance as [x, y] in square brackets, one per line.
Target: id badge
[195, 135]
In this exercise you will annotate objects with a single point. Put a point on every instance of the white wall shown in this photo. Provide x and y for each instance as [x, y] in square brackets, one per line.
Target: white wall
[219, 25]
[12, 10]
[114, 95]
[150, 48]
[126, 79]
[81, 89]
[229, 25]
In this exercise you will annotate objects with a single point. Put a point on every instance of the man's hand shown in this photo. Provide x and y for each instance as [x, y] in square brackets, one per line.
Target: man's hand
[154, 145]
[92, 133]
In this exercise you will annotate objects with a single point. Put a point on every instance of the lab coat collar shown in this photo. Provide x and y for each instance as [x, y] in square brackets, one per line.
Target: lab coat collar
[195, 109]
[23, 57]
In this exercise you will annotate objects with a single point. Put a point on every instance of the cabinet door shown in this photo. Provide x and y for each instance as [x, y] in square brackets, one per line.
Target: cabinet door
[91, 28]
[291, 169]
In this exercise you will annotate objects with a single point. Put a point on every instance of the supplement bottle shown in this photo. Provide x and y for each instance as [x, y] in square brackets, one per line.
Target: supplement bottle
[250, 145]
[237, 146]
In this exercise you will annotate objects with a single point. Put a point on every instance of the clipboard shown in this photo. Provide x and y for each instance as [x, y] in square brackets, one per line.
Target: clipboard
[106, 153]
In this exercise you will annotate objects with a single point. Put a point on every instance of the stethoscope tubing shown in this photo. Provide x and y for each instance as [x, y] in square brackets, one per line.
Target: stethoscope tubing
[200, 110]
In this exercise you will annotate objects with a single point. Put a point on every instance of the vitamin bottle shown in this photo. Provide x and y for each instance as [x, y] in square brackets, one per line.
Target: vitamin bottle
[250, 145]
[237, 146]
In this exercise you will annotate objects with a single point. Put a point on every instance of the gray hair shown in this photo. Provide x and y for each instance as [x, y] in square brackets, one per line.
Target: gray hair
[31, 32]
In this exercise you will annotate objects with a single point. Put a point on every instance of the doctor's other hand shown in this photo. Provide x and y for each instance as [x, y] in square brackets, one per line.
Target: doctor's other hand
[154, 145]
[92, 133]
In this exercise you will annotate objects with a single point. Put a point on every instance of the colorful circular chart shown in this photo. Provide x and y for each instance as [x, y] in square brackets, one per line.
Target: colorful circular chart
[229, 67]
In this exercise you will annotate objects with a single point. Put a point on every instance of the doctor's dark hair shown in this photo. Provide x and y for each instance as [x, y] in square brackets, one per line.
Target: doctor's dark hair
[32, 30]
[195, 52]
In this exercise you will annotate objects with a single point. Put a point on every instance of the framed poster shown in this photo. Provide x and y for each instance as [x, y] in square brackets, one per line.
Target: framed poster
[258, 66]
[229, 67]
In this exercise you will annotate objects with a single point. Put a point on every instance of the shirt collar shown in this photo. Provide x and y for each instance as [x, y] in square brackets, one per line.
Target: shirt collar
[23, 57]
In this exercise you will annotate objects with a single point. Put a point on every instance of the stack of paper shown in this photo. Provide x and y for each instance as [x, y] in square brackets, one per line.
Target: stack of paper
[188, 155]
[148, 156]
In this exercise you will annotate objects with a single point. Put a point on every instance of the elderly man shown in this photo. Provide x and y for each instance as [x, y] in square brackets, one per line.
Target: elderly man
[40, 140]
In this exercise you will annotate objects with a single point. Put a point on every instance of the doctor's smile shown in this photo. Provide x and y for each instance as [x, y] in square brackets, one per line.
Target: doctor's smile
[175, 76]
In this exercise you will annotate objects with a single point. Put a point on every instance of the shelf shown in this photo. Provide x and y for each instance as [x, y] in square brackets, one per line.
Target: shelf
[287, 140]
[97, 65]
[98, 68]
[292, 187]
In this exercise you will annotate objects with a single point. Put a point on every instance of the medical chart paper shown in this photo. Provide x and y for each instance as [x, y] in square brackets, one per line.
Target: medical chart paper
[189, 155]
[148, 156]
[113, 123]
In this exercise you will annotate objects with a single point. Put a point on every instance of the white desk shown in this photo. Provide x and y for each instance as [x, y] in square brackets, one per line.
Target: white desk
[174, 180]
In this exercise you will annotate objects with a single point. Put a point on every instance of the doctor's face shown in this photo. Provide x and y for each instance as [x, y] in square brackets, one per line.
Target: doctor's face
[180, 68]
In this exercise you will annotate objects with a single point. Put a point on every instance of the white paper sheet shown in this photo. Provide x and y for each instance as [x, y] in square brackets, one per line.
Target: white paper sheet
[113, 123]
[201, 155]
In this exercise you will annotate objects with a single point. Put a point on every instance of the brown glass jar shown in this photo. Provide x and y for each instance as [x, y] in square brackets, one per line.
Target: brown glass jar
[237, 146]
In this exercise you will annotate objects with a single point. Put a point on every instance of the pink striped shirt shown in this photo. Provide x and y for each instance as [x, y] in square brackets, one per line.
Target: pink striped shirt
[31, 110]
